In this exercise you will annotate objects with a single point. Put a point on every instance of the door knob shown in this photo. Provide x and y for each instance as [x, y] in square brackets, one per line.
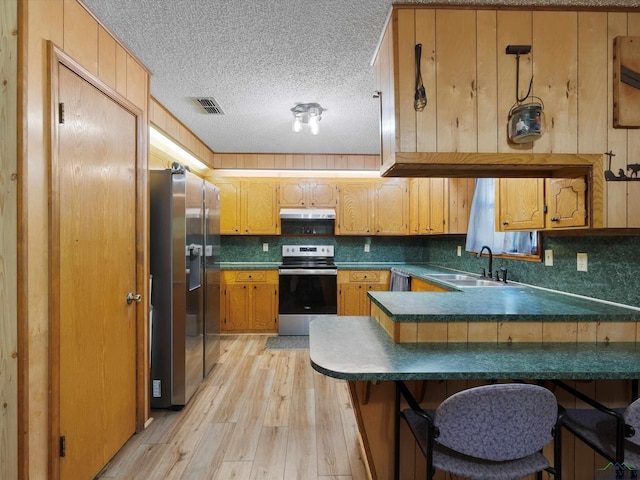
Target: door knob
[133, 297]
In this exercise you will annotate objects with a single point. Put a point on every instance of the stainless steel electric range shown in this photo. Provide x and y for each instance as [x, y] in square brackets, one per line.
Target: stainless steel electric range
[308, 280]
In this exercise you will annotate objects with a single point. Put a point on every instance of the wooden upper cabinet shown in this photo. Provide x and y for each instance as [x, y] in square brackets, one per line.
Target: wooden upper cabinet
[539, 204]
[229, 205]
[304, 193]
[391, 207]
[248, 207]
[460, 198]
[355, 207]
[520, 204]
[259, 207]
[429, 206]
[293, 193]
[566, 202]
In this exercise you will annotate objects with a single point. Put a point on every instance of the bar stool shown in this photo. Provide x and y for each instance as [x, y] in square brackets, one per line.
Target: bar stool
[489, 432]
[614, 433]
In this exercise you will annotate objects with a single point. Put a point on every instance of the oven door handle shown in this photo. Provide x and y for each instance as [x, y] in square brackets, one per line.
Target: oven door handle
[308, 271]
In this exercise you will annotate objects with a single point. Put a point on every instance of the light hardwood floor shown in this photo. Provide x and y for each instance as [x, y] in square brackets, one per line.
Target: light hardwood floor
[261, 414]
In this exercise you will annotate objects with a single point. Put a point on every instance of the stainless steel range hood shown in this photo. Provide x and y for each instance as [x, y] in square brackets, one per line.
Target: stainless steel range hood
[307, 214]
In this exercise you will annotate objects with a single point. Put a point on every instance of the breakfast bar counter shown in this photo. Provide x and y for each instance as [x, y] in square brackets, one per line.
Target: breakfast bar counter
[358, 348]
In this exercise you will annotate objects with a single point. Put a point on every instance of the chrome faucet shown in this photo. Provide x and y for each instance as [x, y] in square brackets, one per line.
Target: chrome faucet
[490, 273]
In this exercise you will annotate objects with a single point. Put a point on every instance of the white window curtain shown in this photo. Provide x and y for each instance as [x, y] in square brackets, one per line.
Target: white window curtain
[482, 229]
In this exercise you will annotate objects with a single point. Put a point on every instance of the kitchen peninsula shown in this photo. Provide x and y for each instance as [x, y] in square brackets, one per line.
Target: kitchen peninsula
[442, 342]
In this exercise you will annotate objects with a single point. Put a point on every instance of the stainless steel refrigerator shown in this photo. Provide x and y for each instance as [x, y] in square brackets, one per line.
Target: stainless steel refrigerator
[184, 267]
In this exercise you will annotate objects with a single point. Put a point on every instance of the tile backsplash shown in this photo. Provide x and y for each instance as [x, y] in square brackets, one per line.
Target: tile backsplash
[613, 271]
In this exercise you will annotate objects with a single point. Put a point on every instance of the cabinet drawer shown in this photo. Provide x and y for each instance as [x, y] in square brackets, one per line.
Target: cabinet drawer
[374, 276]
[250, 276]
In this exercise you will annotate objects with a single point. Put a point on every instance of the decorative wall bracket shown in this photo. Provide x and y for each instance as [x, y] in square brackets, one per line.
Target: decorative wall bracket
[632, 168]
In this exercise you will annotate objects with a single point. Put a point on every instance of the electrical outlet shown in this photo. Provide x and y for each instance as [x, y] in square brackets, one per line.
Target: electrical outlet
[582, 262]
[367, 247]
[548, 258]
[459, 250]
[265, 247]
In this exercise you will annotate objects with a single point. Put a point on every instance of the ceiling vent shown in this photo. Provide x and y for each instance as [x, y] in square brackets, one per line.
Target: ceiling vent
[209, 105]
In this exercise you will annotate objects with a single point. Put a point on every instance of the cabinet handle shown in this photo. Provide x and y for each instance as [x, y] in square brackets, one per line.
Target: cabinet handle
[554, 219]
[505, 223]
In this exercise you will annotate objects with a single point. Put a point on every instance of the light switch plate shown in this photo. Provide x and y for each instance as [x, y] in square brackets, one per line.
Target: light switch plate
[582, 262]
[265, 247]
[548, 258]
[367, 247]
[459, 250]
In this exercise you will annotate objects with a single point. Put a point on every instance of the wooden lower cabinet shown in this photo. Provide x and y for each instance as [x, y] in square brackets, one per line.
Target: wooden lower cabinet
[353, 286]
[249, 301]
[418, 285]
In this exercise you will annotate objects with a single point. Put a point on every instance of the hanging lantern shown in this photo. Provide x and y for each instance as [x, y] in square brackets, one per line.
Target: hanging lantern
[526, 122]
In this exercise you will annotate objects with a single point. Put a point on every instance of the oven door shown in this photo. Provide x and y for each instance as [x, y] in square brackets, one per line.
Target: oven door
[304, 294]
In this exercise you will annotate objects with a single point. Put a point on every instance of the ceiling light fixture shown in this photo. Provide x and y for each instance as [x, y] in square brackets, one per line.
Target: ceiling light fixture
[308, 114]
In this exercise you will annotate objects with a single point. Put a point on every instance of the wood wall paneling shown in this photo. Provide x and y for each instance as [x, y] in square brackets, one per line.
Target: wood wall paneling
[616, 192]
[137, 91]
[426, 121]
[456, 80]
[514, 28]
[487, 81]
[81, 35]
[41, 21]
[385, 85]
[592, 82]
[106, 58]
[404, 79]
[633, 147]
[10, 341]
[555, 60]
[121, 70]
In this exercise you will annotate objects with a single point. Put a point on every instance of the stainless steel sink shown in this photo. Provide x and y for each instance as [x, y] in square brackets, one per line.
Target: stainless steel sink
[462, 280]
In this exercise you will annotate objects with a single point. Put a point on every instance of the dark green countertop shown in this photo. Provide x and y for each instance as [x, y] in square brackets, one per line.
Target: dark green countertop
[491, 304]
[358, 348]
[517, 302]
[249, 265]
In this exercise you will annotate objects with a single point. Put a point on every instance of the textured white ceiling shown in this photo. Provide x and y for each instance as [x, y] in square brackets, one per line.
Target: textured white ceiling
[258, 58]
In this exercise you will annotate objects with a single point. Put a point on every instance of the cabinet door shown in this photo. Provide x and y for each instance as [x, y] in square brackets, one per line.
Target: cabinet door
[322, 193]
[566, 202]
[366, 301]
[355, 208]
[460, 198]
[236, 308]
[293, 193]
[520, 204]
[418, 285]
[438, 204]
[229, 205]
[259, 207]
[429, 206]
[350, 301]
[391, 207]
[263, 304]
